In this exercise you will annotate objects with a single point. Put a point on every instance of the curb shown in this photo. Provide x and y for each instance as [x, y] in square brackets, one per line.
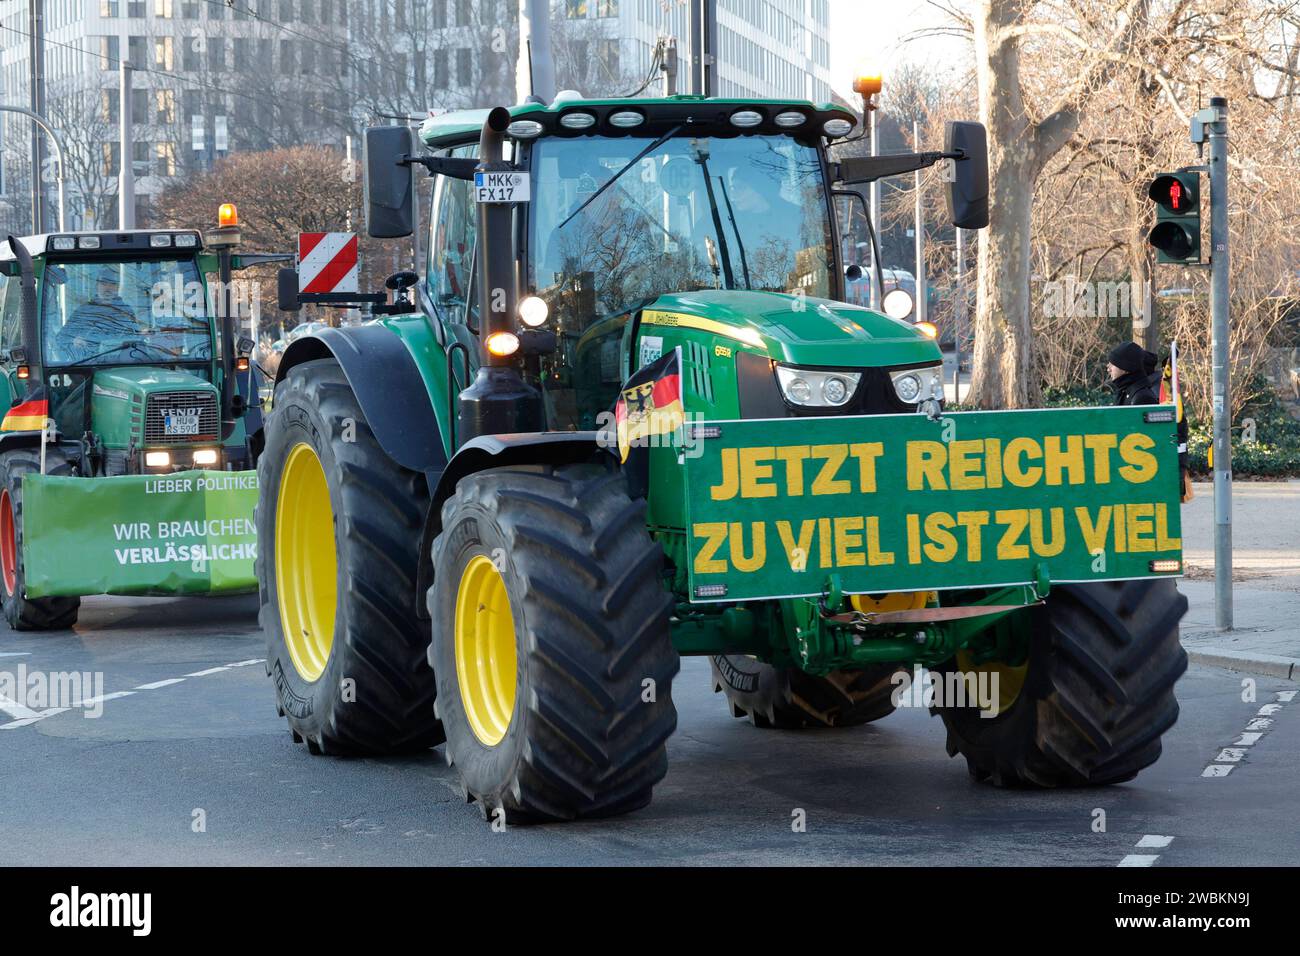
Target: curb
[1267, 665]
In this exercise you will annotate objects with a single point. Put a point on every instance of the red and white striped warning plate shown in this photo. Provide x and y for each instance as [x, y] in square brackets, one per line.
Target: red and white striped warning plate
[327, 262]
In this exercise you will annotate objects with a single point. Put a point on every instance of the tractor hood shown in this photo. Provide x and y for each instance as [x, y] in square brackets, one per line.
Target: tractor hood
[138, 380]
[797, 330]
[123, 409]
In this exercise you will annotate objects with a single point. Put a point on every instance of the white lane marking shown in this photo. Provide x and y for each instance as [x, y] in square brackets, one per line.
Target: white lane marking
[1247, 739]
[161, 683]
[1230, 755]
[36, 715]
[1154, 842]
[210, 670]
[1259, 723]
[100, 698]
[25, 716]
[1269, 709]
[15, 709]
[1217, 770]
[1139, 859]
[1286, 696]
[15, 653]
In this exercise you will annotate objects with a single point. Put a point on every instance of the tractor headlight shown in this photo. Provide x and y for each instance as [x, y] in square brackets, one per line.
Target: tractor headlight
[533, 310]
[205, 456]
[816, 388]
[157, 459]
[916, 385]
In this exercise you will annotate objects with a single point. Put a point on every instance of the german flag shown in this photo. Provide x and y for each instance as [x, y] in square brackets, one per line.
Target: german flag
[29, 415]
[650, 402]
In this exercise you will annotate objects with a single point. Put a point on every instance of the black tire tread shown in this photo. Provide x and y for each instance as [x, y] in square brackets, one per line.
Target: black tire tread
[379, 634]
[792, 699]
[1098, 696]
[592, 747]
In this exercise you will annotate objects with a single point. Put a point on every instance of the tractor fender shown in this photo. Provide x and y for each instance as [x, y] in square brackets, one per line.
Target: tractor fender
[383, 375]
[500, 451]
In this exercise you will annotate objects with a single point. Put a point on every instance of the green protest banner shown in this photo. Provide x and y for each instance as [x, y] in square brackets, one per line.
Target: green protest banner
[185, 533]
[906, 503]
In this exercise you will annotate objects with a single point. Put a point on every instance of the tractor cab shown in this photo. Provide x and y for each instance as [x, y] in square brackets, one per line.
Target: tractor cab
[113, 334]
[633, 227]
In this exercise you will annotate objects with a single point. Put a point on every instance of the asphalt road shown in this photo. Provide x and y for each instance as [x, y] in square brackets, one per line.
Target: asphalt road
[133, 785]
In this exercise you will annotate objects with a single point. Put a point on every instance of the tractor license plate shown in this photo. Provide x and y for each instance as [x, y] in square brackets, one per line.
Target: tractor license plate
[176, 423]
[906, 503]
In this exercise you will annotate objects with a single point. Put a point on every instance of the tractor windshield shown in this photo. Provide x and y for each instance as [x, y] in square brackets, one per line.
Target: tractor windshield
[123, 313]
[746, 212]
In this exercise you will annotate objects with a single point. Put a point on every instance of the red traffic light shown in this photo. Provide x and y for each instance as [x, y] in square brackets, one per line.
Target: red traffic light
[1175, 192]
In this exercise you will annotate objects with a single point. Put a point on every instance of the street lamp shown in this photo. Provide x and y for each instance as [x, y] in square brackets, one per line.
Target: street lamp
[59, 152]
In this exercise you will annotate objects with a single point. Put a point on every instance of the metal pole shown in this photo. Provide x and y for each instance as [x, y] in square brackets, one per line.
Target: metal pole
[877, 292]
[959, 314]
[535, 68]
[36, 74]
[921, 310]
[704, 32]
[1219, 326]
[126, 176]
[1150, 330]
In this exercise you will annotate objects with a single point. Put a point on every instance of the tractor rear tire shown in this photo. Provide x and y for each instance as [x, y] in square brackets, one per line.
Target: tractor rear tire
[551, 643]
[355, 679]
[23, 613]
[791, 699]
[1096, 695]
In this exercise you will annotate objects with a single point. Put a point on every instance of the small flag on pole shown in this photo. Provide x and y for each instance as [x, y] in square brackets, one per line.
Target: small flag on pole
[29, 415]
[650, 402]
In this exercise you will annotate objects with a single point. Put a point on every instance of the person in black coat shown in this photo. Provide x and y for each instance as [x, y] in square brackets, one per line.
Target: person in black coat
[1133, 375]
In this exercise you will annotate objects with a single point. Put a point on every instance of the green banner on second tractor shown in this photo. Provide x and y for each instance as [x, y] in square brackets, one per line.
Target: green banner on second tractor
[907, 503]
[185, 533]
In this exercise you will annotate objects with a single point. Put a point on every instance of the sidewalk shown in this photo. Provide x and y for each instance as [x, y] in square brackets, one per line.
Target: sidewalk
[1266, 580]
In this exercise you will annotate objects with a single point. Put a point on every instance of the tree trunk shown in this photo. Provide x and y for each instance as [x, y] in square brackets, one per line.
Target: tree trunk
[1003, 376]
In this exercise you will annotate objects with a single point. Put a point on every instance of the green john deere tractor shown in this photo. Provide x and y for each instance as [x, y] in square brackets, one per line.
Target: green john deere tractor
[471, 532]
[112, 364]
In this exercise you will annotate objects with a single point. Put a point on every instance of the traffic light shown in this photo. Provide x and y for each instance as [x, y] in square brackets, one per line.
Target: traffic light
[1177, 232]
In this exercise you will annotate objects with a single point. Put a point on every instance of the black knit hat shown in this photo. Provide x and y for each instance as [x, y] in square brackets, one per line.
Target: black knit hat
[1130, 356]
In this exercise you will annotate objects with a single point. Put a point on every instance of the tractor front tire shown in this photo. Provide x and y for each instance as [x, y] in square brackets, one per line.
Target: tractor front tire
[551, 644]
[791, 699]
[23, 613]
[1090, 704]
[339, 525]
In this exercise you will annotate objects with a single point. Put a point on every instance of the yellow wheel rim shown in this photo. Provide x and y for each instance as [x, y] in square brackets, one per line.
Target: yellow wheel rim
[894, 601]
[1011, 679]
[485, 650]
[306, 565]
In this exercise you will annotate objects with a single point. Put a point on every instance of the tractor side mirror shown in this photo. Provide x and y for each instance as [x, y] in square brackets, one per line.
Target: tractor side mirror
[389, 181]
[286, 288]
[968, 193]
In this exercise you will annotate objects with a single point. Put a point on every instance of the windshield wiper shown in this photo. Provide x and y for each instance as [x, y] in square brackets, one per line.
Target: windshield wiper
[613, 179]
[116, 348]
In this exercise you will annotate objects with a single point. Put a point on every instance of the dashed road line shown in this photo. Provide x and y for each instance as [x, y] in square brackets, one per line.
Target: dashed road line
[161, 683]
[24, 716]
[1256, 728]
[1151, 841]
